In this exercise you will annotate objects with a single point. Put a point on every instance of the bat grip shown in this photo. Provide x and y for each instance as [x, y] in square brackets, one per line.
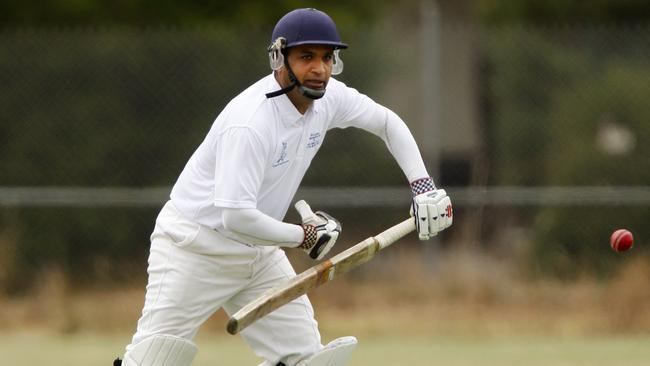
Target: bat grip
[395, 233]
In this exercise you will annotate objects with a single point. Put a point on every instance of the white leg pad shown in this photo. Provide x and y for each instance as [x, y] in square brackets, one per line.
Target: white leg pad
[161, 350]
[335, 353]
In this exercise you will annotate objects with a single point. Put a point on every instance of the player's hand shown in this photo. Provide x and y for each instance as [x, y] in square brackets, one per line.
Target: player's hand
[432, 212]
[321, 231]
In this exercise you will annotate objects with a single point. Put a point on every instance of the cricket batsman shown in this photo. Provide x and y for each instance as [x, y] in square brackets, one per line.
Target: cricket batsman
[216, 242]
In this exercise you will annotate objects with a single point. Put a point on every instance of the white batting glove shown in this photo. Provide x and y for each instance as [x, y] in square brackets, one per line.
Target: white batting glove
[321, 231]
[432, 209]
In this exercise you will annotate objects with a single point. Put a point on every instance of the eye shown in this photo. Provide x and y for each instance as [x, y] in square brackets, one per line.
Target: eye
[328, 57]
[306, 56]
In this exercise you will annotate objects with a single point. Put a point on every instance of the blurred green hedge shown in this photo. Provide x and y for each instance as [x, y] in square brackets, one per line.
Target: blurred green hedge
[570, 108]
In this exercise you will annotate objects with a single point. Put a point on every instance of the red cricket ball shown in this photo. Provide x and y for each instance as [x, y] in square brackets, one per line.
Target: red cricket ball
[621, 240]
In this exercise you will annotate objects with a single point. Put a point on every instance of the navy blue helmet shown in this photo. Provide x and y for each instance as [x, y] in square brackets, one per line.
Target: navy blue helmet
[307, 26]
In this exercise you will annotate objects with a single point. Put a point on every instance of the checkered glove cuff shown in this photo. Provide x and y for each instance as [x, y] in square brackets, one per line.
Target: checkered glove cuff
[422, 185]
[310, 238]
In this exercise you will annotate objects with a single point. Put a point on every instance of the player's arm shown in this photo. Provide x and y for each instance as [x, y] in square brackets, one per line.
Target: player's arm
[316, 235]
[262, 229]
[431, 207]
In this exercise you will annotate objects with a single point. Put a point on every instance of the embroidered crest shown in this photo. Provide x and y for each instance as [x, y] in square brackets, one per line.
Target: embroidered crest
[282, 159]
[314, 140]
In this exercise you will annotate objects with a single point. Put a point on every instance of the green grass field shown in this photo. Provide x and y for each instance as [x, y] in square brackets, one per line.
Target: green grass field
[477, 317]
[42, 348]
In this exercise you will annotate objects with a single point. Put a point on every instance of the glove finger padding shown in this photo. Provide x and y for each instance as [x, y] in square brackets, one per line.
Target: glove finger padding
[445, 212]
[307, 215]
[433, 213]
[321, 231]
[421, 220]
[331, 228]
[330, 223]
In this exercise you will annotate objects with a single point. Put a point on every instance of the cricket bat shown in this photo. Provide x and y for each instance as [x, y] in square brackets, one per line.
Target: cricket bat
[317, 275]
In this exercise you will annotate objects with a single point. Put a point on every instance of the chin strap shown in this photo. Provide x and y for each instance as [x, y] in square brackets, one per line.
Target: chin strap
[308, 92]
[311, 93]
[277, 93]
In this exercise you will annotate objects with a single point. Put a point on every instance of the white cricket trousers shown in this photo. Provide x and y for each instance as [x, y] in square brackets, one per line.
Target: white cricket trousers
[194, 270]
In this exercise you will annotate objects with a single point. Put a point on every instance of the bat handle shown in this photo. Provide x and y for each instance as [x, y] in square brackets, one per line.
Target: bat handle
[395, 233]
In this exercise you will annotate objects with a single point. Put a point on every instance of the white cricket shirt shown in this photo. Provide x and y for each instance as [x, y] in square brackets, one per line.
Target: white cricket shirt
[258, 150]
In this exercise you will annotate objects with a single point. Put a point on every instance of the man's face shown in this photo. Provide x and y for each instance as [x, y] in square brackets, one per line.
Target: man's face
[312, 65]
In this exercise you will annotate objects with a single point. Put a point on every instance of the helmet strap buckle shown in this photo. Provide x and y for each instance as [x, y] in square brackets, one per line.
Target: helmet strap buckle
[276, 53]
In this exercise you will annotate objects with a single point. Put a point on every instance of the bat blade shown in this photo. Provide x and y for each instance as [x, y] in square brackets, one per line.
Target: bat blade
[316, 276]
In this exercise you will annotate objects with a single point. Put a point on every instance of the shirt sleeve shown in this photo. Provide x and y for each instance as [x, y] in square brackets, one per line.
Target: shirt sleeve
[239, 168]
[261, 229]
[358, 110]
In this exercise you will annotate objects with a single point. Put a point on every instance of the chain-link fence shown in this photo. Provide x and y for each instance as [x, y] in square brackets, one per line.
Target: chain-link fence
[540, 129]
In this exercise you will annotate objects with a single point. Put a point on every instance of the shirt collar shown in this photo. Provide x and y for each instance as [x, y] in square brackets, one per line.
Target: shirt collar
[288, 112]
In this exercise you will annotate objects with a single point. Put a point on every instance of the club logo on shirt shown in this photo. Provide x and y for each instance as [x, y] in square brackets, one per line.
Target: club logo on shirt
[314, 140]
[282, 159]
